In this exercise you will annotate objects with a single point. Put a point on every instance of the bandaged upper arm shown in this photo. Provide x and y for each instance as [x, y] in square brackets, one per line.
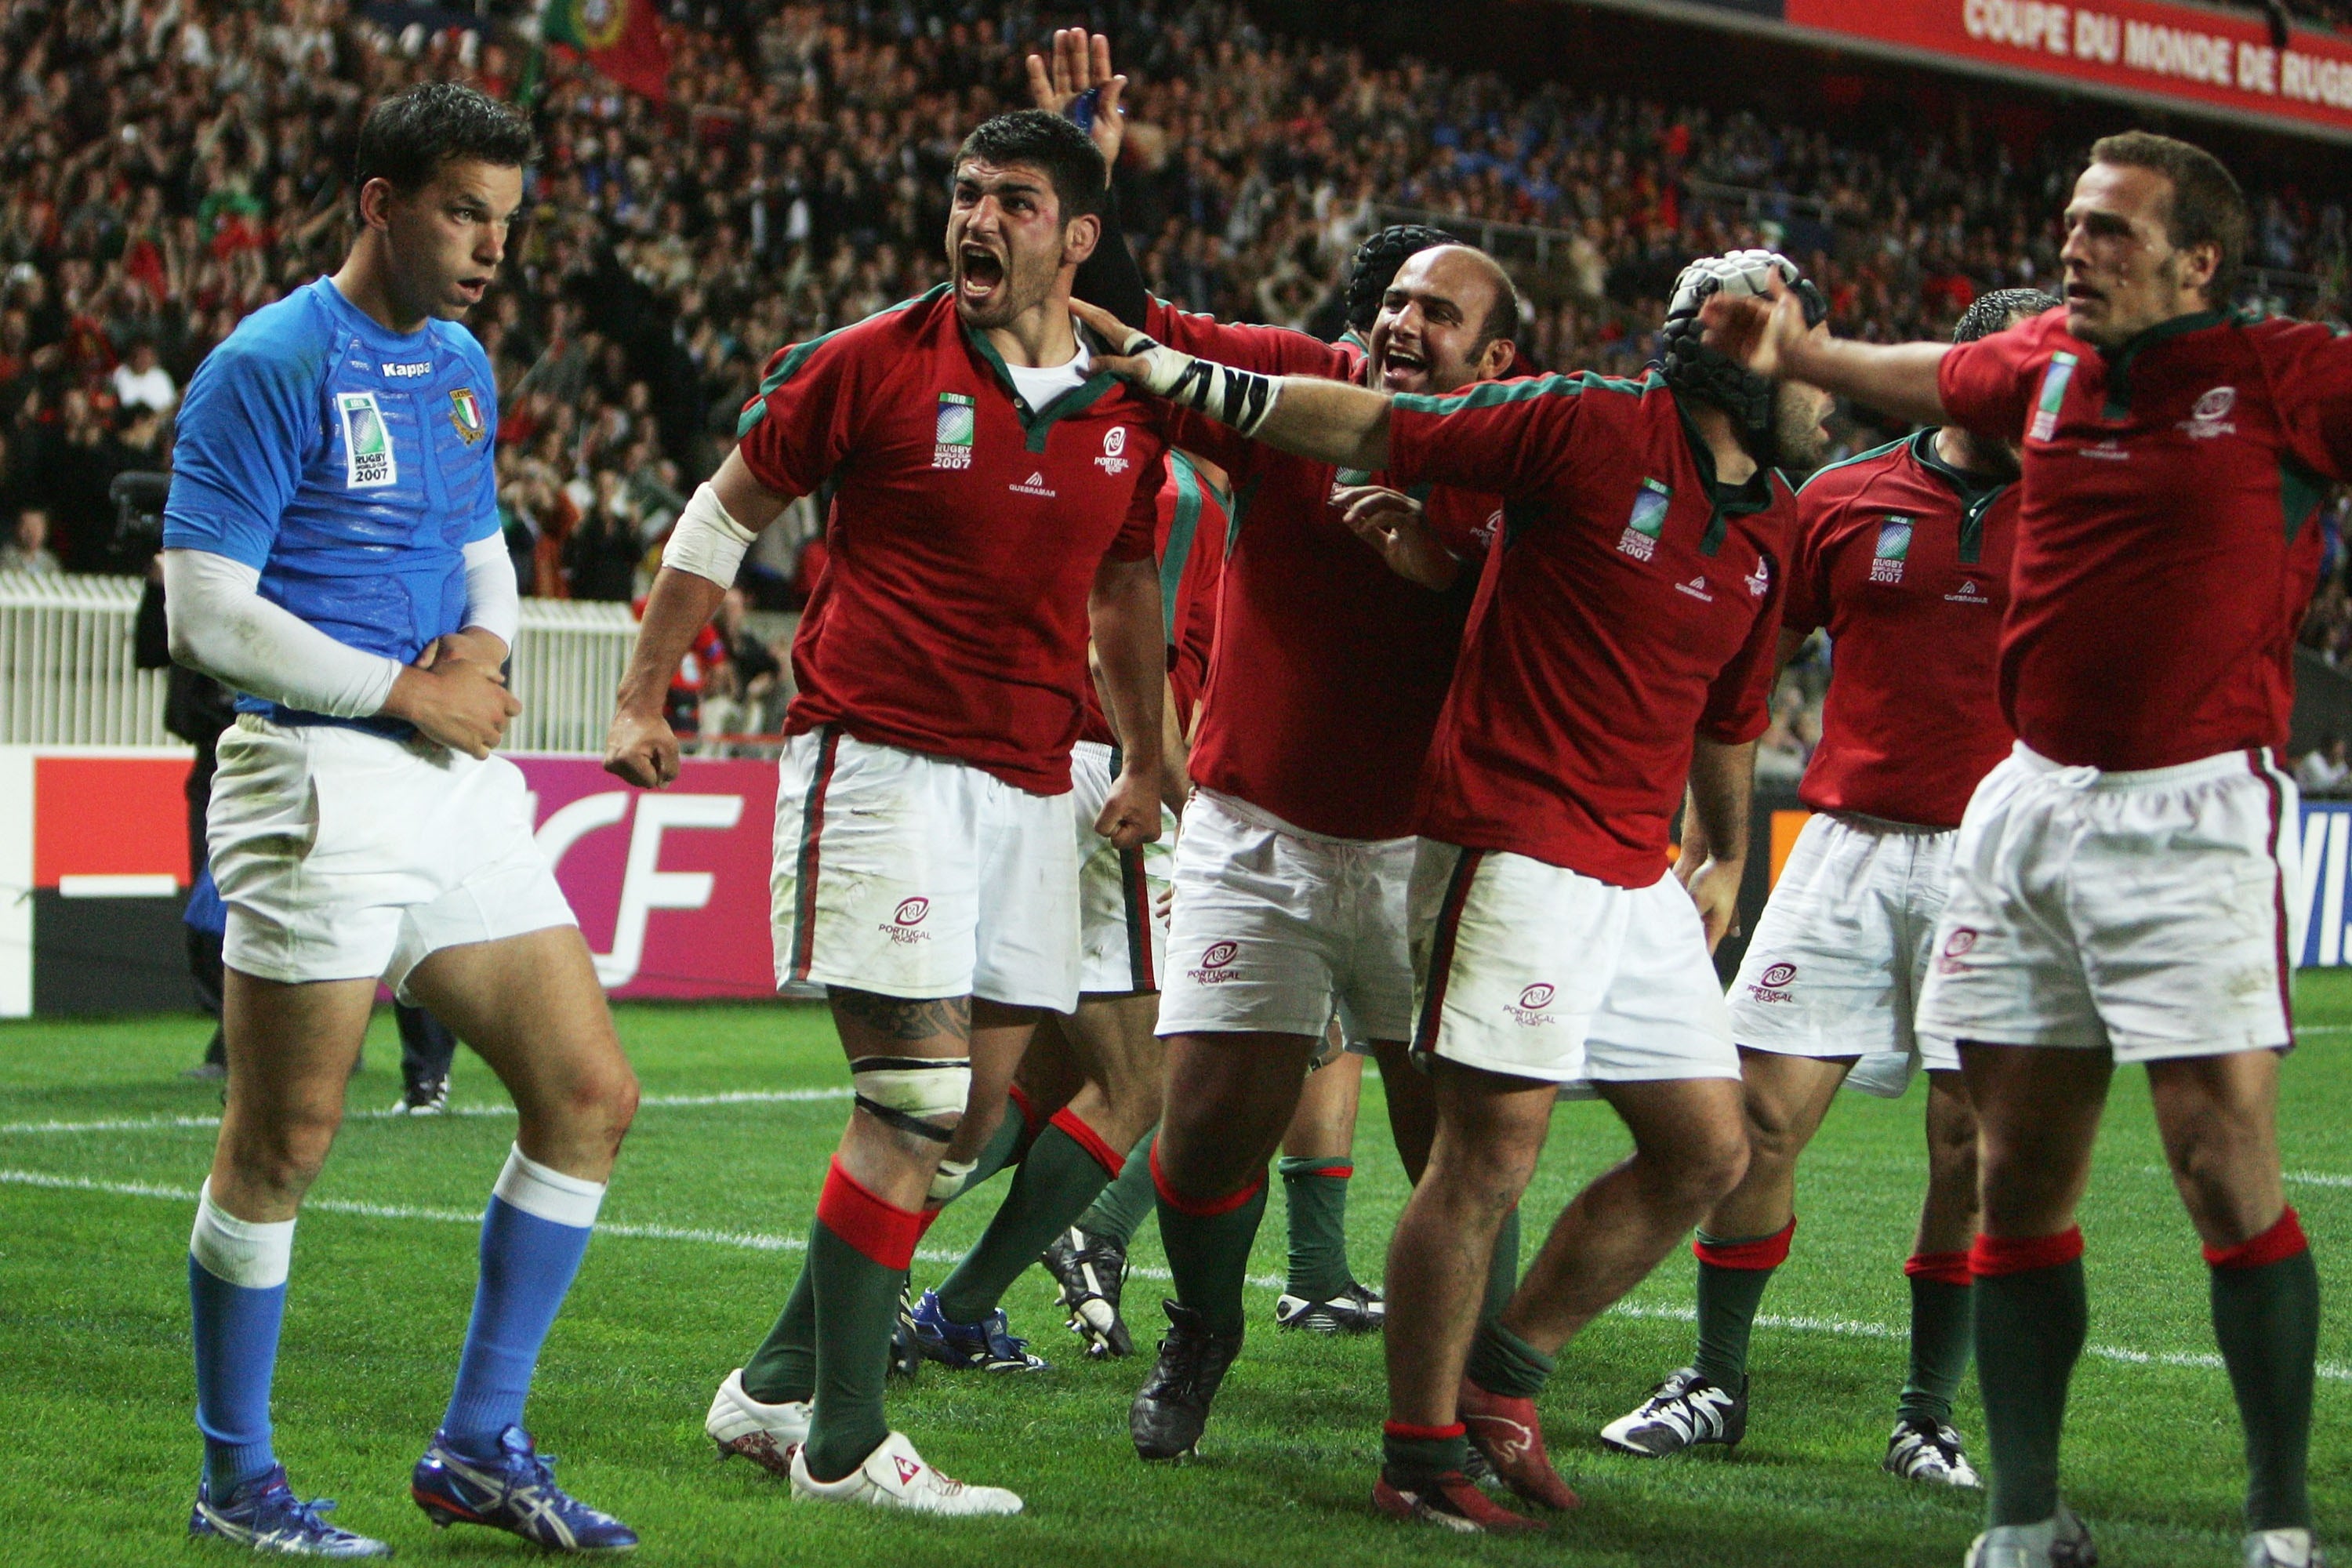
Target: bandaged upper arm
[707, 541]
[221, 625]
[493, 603]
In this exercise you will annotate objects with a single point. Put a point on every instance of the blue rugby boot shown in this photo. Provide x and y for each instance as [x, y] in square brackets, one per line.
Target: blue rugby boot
[987, 1345]
[265, 1515]
[516, 1493]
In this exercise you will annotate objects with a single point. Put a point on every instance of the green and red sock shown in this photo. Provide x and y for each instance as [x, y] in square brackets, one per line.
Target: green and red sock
[2031, 1316]
[1063, 1171]
[1732, 1274]
[1208, 1244]
[858, 1252]
[1942, 1318]
[2266, 1318]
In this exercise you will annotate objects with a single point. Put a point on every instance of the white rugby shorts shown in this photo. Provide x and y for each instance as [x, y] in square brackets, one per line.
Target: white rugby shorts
[2148, 913]
[1276, 927]
[1539, 971]
[1122, 936]
[1838, 957]
[345, 854]
[920, 877]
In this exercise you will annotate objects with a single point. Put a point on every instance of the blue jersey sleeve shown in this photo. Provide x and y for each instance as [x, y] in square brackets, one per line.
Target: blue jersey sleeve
[246, 430]
[482, 510]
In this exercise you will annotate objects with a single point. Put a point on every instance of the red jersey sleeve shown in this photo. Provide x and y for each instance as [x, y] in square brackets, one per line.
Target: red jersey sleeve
[1988, 386]
[1139, 538]
[1270, 350]
[1739, 700]
[1805, 592]
[1504, 438]
[800, 426]
[2310, 368]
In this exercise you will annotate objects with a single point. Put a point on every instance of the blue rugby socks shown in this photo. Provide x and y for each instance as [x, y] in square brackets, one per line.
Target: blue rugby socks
[236, 1291]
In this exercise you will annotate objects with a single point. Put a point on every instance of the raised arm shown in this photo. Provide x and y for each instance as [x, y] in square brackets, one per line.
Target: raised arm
[1772, 340]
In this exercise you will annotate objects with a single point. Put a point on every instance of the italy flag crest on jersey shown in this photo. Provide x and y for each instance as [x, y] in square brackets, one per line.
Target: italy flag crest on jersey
[466, 414]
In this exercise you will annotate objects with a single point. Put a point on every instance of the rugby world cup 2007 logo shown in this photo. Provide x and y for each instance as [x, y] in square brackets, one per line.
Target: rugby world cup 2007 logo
[904, 922]
[953, 431]
[1216, 964]
[1772, 986]
[1531, 1011]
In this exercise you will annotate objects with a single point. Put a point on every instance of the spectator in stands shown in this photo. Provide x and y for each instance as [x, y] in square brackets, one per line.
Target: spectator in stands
[27, 549]
[740, 690]
[2325, 770]
[141, 382]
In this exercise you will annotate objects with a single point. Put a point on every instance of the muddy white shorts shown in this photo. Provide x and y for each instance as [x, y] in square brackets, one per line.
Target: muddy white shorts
[1538, 972]
[1274, 928]
[1122, 937]
[920, 877]
[1838, 957]
[2150, 913]
[345, 855]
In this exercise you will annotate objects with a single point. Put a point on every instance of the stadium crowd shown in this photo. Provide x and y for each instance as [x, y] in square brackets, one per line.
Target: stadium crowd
[172, 165]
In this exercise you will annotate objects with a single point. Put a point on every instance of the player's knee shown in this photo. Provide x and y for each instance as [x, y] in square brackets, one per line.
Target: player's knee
[289, 1153]
[921, 1098]
[1700, 1169]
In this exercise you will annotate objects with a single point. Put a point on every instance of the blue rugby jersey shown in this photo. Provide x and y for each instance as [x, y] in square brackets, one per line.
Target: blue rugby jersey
[350, 463]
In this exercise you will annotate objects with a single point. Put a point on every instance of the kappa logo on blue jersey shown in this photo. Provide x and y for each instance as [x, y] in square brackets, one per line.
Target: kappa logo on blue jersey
[368, 462]
[466, 414]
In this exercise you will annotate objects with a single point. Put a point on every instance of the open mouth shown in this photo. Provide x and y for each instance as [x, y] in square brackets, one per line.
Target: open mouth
[1402, 370]
[2078, 294]
[472, 289]
[979, 272]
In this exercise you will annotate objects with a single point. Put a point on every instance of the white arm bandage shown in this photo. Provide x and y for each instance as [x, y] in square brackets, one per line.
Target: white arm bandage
[1241, 398]
[493, 603]
[221, 625]
[707, 542]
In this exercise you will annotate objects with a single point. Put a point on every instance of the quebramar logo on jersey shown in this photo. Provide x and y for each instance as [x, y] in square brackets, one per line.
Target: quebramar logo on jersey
[466, 414]
[1648, 520]
[1112, 460]
[368, 461]
[951, 436]
[1894, 549]
[2054, 377]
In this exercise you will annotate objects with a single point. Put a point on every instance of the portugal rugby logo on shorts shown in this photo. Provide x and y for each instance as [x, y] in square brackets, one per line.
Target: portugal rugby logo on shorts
[1771, 985]
[1528, 1010]
[1216, 961]
[1953, 960]
[466, 414]
[368, 462]
[905, 918]
[953, 431]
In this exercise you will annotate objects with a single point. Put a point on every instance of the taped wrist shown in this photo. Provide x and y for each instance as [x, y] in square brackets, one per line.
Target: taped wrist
[707, 542]
[1241, 398]
[907, 1091]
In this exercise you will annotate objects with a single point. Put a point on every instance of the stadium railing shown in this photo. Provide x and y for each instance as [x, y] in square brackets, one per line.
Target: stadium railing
[66, 677]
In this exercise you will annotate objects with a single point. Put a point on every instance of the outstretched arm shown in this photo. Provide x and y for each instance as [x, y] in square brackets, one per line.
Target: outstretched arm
[698, 568]
[1333, 421]
[1770, 337]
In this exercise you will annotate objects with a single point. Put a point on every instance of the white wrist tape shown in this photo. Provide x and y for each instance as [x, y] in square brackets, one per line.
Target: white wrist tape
[707, 542]
[1241, 398]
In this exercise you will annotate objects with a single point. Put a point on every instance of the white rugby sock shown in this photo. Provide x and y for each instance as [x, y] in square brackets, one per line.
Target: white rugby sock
[252, 1254]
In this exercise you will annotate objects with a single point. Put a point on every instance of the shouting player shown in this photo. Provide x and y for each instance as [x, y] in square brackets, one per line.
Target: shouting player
[1631, 604]
[2123, 887]
[994, 499]
[331, 550]
[1902, 556]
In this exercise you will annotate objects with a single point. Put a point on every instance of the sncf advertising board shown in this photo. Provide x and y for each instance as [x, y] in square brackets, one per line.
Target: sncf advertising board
[671, 888]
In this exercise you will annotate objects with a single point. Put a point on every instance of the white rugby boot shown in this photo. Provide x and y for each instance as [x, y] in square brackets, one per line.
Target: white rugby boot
[1930, 1452]
[895, 1476]
[2058, 1541]
[767, 1434]
[2283, 1549]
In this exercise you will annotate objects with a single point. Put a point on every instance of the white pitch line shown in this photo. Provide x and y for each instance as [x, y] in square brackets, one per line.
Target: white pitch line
[168, 1123]
[1844, 1327]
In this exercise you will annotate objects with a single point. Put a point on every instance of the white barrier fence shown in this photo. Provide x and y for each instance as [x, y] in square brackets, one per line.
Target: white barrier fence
[67, 676]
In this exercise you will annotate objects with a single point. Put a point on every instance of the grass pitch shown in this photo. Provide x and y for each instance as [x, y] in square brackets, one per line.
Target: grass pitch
[102, 1144]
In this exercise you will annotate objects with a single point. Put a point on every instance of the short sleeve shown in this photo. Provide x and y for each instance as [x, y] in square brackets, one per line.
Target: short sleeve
[1512, 438]
[246, 431]
[2310, 370]
[799, 426]
[483, 522]
[1740, 699]
[1139, 536]
[1805, 591]
[1987, 386]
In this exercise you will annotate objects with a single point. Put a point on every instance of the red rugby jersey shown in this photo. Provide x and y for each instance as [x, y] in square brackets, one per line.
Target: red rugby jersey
[963, 540]
[1904, 559]
[1329, 668]
[1630, 604]
[1191, 545]
[2166, 546]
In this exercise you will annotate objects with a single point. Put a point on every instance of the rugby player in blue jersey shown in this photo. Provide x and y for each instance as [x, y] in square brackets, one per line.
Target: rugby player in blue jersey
[332, 552]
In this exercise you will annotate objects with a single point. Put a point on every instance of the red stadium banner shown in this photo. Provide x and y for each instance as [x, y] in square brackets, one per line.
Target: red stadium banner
[2144, 48]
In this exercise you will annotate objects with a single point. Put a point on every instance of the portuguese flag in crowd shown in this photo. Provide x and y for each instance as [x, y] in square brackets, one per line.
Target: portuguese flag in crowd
[620, 37]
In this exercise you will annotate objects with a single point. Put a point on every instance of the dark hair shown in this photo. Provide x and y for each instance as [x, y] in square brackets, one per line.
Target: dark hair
[1073, 163]
[2207, 206]
[410, 135]
[1502, 318]
[1375, 265]
[1990, 313]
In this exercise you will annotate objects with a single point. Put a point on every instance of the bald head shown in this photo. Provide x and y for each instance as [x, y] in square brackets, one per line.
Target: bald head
[1449, 319]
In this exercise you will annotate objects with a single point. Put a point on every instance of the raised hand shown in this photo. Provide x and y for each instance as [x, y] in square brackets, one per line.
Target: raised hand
[1081, 65]
[1756, 332]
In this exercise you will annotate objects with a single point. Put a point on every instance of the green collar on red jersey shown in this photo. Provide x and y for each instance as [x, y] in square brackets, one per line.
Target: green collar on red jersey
[1038, 422]
[1727, 501]
[1976, 493]
[2125, 354]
